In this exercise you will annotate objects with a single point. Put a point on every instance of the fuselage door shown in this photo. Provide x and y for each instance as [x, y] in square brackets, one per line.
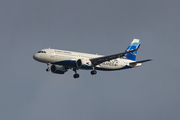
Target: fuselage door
[51, 53]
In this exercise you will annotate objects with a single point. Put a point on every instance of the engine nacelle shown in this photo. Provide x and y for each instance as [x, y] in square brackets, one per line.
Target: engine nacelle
[83, 63]
[58, 69]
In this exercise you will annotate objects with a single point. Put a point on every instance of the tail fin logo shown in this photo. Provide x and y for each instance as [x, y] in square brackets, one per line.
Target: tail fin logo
[134, 53]
[135, 44]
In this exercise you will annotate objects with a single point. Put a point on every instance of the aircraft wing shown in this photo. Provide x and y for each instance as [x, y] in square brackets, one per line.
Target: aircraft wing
[99, 60]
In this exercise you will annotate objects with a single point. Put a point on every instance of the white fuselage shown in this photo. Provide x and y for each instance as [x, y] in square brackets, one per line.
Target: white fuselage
[69, 58]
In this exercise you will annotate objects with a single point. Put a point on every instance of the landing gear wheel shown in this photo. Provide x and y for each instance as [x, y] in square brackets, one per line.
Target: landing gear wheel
[47, 69]
[93, 72]
[76, 76]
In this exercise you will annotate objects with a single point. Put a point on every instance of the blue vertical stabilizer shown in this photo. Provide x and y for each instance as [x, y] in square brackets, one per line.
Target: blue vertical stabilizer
[134, 44]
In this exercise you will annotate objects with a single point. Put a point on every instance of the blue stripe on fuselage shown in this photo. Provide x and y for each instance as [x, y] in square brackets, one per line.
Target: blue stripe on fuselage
[105, 69]
[72, 63]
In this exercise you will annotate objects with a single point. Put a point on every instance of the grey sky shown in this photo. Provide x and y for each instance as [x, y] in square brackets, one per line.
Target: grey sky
[150, 92]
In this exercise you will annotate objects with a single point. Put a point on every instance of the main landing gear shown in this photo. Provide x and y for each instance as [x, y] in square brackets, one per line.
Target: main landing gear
[48, 69]
[93, 72]
[75, 75]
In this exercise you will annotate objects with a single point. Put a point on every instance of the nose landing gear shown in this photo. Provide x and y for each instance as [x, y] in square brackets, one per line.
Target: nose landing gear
[48, 69]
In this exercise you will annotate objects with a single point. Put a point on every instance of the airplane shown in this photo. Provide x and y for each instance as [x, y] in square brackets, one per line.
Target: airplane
[62, 60]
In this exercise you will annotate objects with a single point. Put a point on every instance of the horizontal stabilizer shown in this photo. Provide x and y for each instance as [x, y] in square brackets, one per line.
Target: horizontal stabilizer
[133, 63]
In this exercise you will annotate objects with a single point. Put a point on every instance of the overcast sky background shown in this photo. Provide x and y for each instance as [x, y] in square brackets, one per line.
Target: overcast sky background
[149, 92]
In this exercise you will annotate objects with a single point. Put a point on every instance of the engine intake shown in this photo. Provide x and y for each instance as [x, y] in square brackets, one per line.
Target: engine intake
[58, 69]
[83, 63]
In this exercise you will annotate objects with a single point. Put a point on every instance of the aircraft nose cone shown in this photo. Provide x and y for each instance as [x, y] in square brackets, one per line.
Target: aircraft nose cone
[35, 56]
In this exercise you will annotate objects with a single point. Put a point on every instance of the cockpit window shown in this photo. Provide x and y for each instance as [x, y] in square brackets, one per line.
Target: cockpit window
[41, 51]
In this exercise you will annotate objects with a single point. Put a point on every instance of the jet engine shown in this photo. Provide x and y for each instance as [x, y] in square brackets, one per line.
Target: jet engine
[83, 62]
[58, 69]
